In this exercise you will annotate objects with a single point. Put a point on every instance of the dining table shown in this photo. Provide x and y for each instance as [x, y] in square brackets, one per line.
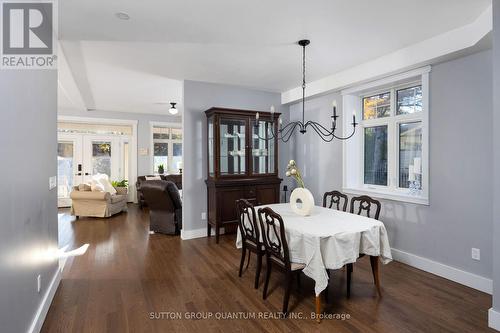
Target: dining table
[328, 239]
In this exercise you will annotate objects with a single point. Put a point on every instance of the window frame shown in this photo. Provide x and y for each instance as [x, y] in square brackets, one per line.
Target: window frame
[170, 143]
[353, 167]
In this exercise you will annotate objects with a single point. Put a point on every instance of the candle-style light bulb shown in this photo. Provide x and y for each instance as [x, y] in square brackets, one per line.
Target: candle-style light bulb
[281, 121]
[257, 116]
[272, 109]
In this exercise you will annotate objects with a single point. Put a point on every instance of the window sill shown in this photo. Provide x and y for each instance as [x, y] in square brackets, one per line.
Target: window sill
[388, 195]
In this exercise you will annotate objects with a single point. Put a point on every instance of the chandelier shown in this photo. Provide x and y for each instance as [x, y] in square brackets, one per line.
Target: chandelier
[285, 132]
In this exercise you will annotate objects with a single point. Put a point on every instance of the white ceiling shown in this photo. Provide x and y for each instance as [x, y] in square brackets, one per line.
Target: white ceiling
[131, 65]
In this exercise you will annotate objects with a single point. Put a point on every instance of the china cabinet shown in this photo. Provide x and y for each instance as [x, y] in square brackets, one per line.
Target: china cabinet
[241, 164]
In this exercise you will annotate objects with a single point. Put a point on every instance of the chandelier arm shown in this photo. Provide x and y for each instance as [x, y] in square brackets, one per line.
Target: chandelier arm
[323, 136]
[289, 131]
[265, 138]
[284, 128]
[347, 137]
[286, 137]
[324, 131]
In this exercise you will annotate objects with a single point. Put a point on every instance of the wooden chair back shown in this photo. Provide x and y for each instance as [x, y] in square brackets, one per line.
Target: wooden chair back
[335, 199]
[366, 206]
[273, 234]
[247, 221]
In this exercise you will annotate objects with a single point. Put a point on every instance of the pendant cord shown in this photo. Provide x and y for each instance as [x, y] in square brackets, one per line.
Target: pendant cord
[303, 82]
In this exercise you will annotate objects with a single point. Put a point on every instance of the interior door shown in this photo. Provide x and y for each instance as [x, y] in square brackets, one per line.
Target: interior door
[69, 166]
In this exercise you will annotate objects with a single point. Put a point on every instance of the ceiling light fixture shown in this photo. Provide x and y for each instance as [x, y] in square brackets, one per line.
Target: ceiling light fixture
[285, 132]
[123, 16]
[173, 109]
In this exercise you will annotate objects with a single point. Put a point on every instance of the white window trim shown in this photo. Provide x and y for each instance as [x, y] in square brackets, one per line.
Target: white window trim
[353, 149]
[151, 143]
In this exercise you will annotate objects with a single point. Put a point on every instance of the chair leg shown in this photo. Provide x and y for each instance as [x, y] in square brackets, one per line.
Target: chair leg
[242, 262]
[288, 280]
[349, 275]
[298, 280]
[325, 292]
[209, 230]
[375, 272]
[257, 273]
[248, 261]
[217, 230]
[268, 275]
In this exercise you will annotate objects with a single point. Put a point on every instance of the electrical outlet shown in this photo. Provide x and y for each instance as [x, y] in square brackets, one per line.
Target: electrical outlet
[203, 216]
[476, 254]
[38, 283]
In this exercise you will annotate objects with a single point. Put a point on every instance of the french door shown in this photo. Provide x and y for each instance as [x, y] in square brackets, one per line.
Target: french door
[80, 156]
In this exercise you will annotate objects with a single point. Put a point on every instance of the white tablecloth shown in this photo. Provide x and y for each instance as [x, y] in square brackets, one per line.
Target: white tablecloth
[330, 239]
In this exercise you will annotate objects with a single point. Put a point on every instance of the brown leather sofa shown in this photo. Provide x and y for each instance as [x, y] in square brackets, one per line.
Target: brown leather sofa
[177, 179]
[165, 206]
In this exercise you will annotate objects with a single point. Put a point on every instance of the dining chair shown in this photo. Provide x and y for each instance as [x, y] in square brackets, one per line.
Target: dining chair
[335, 198]
[250, 236]
[277, 253]
[365, 205]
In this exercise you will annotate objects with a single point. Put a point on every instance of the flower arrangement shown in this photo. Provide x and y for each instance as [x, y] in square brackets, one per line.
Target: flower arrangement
[293, 171]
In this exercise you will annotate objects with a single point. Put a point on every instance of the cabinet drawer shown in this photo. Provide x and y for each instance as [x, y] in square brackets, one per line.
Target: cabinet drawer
[267, 194]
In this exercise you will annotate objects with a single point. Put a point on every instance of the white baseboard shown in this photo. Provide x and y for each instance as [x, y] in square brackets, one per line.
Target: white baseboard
[41, 313]
[198, 233]
[494, 319]
[451, 273]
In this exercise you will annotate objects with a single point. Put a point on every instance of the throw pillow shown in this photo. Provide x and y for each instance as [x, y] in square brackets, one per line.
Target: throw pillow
[101, 183]
[84, 187]
[153, 177]
[96, 186]
[108, 187]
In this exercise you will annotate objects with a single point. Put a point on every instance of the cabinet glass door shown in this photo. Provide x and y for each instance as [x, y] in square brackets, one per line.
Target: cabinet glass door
[211, 146]
[263, 151]
[232, 147]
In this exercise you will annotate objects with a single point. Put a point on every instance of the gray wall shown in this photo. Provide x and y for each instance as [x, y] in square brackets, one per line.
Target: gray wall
[459, 215]
[143, 131]
[496, 154]
[28, 222]
[198, 97]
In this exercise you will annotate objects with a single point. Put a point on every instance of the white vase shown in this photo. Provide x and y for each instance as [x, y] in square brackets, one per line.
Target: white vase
[307, 201]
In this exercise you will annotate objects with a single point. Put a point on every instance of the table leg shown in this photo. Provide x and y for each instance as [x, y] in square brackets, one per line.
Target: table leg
[318, 308]
[375, 271]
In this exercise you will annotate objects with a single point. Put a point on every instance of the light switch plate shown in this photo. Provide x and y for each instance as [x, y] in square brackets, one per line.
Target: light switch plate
[476, 254]
[52, 182]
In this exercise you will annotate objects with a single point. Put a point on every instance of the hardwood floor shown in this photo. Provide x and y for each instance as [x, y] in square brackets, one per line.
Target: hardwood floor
[130, 281]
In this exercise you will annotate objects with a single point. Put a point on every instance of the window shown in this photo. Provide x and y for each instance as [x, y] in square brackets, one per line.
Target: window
[167, 148]
[387, 158]
[410, 152]
[377, 106]
[375, 155]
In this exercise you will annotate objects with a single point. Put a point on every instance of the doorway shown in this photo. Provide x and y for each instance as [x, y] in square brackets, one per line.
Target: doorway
[81, 155]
